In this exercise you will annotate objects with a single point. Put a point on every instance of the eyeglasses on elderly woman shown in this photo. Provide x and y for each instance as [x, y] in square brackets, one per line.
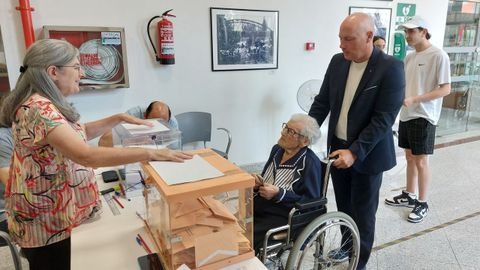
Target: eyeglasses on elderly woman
[290, 131]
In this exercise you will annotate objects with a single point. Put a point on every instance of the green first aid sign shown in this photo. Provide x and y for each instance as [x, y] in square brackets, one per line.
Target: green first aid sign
[399, 50]
[406, 10]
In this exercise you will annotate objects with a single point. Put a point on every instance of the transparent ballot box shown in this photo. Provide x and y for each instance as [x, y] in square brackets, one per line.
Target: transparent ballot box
[161, 135]
[204, 224]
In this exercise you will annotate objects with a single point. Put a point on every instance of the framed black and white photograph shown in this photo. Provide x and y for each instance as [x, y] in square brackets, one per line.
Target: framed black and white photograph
[244, 39]
[382, 18]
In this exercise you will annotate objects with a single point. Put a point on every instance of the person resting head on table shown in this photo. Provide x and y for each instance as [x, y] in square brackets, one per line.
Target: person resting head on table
[51, 185]
[155, 110]
[292, 174]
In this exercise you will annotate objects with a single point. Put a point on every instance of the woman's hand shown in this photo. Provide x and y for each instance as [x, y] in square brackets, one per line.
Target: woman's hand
[258, 180]
[134, 120]
[168, 154]
[105, 125]
[268, 191]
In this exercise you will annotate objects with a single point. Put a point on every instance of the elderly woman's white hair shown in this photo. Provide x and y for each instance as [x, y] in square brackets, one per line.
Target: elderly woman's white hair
[311, 129]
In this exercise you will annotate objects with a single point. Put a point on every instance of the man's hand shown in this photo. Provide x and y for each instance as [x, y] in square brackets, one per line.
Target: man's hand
[268, 191]
[407, 102]
[344, 158]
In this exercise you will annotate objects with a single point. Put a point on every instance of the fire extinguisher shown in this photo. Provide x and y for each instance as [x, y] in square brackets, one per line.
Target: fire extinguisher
[166, 52]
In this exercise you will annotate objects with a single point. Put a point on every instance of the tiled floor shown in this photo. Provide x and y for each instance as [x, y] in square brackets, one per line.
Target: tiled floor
[449, 238]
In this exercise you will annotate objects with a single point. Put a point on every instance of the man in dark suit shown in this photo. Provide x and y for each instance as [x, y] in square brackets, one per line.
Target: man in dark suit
[363, 91]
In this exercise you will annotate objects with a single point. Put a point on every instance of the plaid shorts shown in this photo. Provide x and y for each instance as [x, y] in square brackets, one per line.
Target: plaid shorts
[417, 135]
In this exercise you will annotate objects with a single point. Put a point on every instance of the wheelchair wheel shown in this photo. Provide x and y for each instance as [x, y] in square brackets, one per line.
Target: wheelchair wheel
[318, 245]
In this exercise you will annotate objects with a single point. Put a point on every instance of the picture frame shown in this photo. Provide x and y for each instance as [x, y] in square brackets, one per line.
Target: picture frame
[244, 39]
[382, 18]
[103, 54]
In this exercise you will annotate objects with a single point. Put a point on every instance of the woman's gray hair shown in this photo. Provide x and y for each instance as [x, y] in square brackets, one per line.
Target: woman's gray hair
[34, 79]
[311, 129]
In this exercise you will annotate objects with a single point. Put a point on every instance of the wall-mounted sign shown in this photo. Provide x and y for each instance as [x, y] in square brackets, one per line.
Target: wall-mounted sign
[404, 12]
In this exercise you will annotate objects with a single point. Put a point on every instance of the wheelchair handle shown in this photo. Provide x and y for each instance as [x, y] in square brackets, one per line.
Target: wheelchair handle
[328, 161]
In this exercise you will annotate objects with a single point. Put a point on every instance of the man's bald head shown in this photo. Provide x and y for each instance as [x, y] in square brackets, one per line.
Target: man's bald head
[363, 21]
[356, 37]
[158, 109]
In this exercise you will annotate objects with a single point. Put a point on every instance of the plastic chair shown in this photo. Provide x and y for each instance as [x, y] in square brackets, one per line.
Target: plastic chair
[197, 127]
[13, 250]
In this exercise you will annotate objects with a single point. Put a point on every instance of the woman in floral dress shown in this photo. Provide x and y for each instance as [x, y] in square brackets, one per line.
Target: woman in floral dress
[51, 186]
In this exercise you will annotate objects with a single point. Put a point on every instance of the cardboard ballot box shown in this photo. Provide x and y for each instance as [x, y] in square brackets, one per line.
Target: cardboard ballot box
[205, 224]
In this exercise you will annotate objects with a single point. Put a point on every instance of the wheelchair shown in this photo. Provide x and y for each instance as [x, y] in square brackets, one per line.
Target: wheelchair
[313, 238]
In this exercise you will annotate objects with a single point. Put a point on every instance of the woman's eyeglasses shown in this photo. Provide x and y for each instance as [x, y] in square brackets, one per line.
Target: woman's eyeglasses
[290, 131]
[76, 67]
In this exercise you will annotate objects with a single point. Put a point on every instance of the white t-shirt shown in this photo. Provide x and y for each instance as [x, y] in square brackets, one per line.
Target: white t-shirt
[424, 72]
[355, 74]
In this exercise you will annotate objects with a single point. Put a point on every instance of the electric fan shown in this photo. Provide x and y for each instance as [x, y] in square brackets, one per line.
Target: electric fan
[307, 92]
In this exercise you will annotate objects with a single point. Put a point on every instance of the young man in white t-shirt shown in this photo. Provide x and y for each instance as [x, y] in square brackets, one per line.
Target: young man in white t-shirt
[427, 75]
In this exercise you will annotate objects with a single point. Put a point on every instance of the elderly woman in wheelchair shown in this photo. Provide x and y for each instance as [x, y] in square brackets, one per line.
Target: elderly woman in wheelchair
[289, 205]
[291, 174]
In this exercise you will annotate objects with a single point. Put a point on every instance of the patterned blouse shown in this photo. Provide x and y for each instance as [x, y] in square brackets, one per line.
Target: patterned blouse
[298, 179]
[47, 193]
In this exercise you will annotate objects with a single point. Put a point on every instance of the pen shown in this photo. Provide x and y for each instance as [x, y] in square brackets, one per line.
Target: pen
[145, 246]
[122, 190]
[116, 200]
[140, 244]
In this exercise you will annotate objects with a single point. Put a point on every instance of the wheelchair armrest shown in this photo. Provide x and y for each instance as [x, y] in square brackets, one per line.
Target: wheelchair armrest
[274, 231]
[310, 203]
[271, 233]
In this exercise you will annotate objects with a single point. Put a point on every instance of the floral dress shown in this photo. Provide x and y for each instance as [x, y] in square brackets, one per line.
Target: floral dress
[47, 193]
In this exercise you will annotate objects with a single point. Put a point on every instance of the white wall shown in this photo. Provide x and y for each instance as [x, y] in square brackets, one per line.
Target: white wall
[252, 104]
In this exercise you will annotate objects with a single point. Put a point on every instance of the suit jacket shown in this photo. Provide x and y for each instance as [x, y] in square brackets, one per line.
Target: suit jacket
[372, 113]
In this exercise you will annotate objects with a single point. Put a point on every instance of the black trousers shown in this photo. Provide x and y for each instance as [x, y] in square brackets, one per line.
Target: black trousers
[55, 256]
[356, 195]
[267, 215]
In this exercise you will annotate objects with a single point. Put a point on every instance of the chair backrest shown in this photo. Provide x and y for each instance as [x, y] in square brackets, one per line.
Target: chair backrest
[13, 250]
[195, 126]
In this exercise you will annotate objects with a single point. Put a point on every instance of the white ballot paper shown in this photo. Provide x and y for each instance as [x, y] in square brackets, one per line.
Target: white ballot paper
[141, 129]
[191, 170]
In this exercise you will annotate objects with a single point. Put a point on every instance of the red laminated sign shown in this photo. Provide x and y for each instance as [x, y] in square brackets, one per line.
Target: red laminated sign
[89, 59]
